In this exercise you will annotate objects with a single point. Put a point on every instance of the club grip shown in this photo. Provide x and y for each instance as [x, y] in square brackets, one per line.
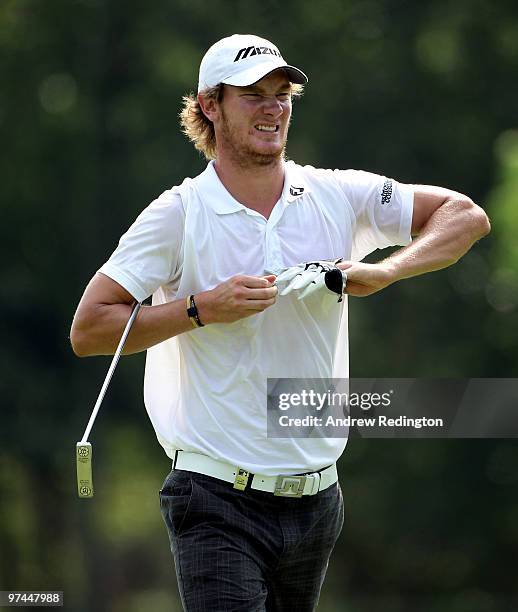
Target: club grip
[85, 485]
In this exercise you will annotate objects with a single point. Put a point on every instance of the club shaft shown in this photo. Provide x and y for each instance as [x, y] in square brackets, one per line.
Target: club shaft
[111, 369]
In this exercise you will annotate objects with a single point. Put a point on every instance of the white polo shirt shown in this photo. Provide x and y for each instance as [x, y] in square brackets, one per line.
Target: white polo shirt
[205, 390]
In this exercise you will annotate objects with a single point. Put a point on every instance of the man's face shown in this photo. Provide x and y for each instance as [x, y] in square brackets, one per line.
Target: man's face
[252, 126]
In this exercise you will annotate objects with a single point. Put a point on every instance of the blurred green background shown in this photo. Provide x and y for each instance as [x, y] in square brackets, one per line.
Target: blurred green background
[425, 92]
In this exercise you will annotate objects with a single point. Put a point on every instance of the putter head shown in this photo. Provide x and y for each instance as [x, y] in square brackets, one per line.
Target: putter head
[85, 484]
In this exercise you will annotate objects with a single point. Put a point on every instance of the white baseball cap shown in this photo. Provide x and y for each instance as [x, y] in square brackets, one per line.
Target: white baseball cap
[243, 59]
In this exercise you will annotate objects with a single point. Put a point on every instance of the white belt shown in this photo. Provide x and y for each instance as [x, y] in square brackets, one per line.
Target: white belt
[285, 485]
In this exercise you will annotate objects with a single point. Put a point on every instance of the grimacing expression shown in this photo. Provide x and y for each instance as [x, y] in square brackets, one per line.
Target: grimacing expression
[252, 125]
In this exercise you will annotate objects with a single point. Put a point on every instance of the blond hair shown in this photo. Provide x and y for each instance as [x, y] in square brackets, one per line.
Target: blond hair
[198, 128]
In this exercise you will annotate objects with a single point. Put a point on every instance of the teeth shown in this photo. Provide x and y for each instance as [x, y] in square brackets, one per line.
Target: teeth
[266, 128]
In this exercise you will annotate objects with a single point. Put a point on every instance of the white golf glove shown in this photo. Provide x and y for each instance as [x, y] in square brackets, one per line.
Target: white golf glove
[306, 278]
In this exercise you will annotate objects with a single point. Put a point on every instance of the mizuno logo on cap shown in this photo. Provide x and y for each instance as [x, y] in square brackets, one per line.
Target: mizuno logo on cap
[249, 51]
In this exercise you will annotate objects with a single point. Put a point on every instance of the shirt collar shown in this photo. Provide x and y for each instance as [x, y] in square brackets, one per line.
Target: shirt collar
[219, 198]
[224, 203]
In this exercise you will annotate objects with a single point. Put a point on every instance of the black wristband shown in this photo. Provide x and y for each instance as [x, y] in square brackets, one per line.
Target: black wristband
[192, 312]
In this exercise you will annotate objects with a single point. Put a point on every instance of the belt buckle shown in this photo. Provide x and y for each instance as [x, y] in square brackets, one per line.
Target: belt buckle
[241, 479]
[289, 486]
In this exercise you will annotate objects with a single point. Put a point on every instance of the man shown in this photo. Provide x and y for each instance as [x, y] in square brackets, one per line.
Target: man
[252, 521]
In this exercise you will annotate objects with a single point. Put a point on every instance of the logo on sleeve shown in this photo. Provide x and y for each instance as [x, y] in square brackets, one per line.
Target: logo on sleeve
[386, 192]
[296, 191]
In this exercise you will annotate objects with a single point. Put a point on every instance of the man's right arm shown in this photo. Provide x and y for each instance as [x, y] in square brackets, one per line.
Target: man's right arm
[105, 308]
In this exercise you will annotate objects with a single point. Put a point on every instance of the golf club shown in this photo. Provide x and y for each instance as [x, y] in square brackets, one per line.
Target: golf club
[85, 487]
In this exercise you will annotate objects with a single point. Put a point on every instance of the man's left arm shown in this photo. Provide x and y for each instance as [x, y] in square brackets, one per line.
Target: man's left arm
[446, 225]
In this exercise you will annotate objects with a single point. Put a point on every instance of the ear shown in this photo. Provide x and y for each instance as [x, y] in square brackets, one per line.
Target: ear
[209, 107]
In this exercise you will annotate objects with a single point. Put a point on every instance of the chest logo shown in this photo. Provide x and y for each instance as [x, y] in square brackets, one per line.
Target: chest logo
[296, 191]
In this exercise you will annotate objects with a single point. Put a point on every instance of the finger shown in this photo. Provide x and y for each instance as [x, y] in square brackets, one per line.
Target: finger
[287, 289]
[305, 279]
[270, 278]
[301, 281]
[262, 294]
[311, 288]
[253, 282]
[288, 274]
[291, 286]
[259, 305]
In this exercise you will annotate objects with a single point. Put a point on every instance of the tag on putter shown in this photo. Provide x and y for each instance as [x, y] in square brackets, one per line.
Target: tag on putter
[85, 485]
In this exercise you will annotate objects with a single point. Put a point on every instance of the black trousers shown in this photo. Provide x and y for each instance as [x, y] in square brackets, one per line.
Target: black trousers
[248, 550]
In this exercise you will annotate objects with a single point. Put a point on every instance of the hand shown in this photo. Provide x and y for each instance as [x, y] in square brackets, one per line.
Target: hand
[239, 297]
[365, 279]
[306, 278]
